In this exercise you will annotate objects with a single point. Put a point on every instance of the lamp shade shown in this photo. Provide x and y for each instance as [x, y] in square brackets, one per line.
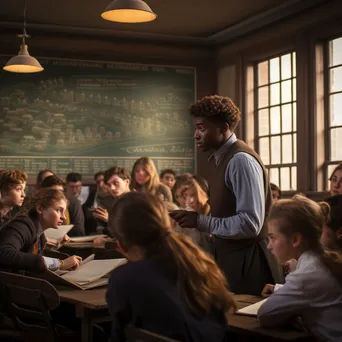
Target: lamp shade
[128, 11]
[23, 62]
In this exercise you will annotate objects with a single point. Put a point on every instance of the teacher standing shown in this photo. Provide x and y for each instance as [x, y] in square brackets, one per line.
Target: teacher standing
[240, 198]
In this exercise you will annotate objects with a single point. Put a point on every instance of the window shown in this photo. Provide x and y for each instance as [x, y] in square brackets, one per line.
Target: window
[276, 118]
[333, 104]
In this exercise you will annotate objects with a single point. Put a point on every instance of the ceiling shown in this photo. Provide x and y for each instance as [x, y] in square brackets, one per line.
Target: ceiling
[188, 19]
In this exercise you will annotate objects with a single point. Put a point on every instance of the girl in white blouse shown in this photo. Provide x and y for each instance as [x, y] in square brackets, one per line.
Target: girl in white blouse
[313, 289]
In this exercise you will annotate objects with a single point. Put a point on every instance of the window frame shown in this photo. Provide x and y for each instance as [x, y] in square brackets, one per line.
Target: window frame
[293, 103]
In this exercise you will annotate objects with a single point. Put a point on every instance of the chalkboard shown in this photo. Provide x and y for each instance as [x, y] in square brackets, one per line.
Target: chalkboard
[86, 116]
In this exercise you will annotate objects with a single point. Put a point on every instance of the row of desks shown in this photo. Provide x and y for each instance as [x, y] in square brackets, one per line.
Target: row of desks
[91, 308]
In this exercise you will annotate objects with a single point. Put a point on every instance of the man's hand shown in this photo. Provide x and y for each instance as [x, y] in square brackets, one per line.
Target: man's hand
[186, 219]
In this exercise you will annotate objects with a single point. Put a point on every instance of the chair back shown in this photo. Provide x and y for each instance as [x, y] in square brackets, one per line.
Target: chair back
[133, 334]
[28, 302]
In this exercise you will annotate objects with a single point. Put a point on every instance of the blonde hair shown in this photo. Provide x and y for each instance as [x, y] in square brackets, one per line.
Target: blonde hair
[10, 178]
[200, 194]
[153, 183]
[304, 216]
[201, 283]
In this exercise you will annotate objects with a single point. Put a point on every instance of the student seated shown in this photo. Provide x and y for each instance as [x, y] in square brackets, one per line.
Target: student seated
[168, 177]
[146, 179]
[313, 289]
[331, 236]
[336, 181]
[22, 239]
[74, 213]
[170, 286]
[276, 192]
[12, 193]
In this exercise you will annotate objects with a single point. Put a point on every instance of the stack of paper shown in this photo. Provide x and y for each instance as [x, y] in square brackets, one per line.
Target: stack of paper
[89, 238]
[90, 274]
[251, 310]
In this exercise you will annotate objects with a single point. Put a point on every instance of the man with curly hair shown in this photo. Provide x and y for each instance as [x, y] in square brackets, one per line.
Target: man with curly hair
[240, 198]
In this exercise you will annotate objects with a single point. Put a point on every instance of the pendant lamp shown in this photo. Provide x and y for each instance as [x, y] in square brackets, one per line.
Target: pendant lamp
[23, 62]
[128, 11]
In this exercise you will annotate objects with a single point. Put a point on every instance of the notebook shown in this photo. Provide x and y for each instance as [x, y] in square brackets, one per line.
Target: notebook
[57, 234]
[251, 310]
[91, 274]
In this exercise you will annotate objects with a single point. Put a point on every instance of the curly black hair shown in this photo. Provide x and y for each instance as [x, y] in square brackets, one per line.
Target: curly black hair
[217, 108]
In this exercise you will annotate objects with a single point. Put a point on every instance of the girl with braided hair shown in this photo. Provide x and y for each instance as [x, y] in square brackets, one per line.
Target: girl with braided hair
[22, 238]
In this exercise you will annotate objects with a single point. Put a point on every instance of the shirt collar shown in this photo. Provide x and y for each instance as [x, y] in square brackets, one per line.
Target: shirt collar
[217, 155]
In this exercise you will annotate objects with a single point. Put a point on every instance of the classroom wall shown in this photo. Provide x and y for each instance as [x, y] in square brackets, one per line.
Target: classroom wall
[111, 49]
[301, 32]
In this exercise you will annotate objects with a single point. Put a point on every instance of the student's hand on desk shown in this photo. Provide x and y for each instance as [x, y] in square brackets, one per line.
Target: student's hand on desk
[186, 219]
[71, 263]
[267, 291]
[101, 213]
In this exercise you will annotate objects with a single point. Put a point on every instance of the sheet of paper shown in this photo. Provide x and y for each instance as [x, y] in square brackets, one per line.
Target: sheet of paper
[57, 234]
[88, 238]
[251, 310]
[93, 270]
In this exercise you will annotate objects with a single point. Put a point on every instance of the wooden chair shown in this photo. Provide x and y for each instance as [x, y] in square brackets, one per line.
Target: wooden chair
[133, 334]
[28, 302]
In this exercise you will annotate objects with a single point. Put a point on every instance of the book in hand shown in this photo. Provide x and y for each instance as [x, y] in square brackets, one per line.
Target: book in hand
[58, 234]
[92, 273]
[251, 310]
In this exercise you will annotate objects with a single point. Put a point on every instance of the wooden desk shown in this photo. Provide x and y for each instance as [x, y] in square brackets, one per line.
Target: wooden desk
[250, 326]
[83, 249]
[90, 307]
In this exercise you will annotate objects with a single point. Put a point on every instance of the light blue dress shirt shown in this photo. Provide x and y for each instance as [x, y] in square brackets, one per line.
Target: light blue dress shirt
[244, 177]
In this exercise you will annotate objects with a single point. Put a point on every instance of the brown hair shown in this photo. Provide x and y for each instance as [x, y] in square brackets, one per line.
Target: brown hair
[304, 216]
[51, 181]
[180, 182]
[275, 187]
[152, 185]
[201, 283]
[116, 170]
[201, 195]
[337, 168]
[217, 108]
[10, 178]
[43, 197]
[40, 175]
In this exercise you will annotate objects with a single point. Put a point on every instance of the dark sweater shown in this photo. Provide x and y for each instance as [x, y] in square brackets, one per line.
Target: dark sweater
[145, 295]
[76, 217]
[17, 241]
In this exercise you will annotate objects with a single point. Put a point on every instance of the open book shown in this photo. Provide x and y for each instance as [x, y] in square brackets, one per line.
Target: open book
[57, 234]
[251, 310]
[89, 238]
[90, 274]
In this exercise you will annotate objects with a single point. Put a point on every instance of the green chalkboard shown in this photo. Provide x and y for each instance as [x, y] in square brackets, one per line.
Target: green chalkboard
[87, 116]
